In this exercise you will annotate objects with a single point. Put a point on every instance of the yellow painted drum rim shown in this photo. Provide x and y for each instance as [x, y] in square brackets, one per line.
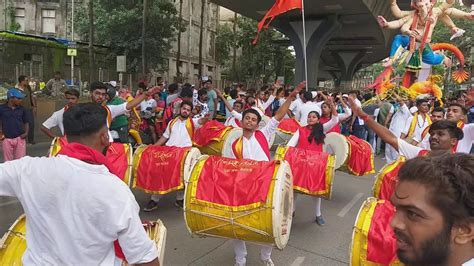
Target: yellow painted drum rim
[269, 224]
[13, 243]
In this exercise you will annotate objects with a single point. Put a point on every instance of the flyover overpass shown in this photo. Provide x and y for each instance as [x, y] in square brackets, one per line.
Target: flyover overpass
[342, 35]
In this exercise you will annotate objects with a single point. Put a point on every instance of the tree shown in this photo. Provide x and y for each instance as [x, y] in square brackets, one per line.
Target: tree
[225, 41]
[116, 23]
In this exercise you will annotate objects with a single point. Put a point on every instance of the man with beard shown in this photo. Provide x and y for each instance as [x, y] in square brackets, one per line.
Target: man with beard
[445, 135]
[75, 217]
[99, 96]
[253, 145]
[434, 219]
[178, 134]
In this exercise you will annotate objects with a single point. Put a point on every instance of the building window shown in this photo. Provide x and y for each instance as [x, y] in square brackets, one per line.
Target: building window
[48, 20]
[20, 18]
[210, 69]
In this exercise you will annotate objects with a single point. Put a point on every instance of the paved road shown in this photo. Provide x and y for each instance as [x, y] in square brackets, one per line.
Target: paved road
[309, 243]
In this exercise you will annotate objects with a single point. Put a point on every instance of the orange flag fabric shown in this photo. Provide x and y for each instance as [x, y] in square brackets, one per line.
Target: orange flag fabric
[280, 7]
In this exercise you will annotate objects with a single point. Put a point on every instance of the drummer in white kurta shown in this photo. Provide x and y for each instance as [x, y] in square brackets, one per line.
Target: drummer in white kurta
[255, 147]
[418, 122]
[177, 135]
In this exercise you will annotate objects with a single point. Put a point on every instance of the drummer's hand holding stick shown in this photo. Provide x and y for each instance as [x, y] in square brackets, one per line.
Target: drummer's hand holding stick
[385, 134]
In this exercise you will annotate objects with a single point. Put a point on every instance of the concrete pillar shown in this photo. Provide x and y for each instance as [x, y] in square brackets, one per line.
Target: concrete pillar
[349, 63]
[318, 33]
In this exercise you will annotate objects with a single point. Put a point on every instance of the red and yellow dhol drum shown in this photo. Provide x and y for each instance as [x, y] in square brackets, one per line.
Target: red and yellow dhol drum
[213, 137]
[386, 179]
[162, 169]
[373, 239]
[240, 199]
[119, 154]
[13, 242]
[313, 172]
[353, 155]
[284, 132]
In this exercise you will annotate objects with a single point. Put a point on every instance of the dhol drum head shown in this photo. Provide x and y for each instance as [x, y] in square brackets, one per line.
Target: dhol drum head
[191, 159]
[232, 136]
[336, 144]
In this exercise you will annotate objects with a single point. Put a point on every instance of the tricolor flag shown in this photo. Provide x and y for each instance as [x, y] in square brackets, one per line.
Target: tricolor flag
[280, 7]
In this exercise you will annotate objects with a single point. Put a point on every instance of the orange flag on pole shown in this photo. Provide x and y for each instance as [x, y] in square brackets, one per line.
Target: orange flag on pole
[280, 7]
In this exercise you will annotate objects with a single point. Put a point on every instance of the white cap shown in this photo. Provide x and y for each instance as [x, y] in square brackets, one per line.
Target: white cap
[345, 95]
[314, 93]
[113, 83]
[413, 110]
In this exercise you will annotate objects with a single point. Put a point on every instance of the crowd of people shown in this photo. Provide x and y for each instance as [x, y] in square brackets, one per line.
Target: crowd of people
[439, 209]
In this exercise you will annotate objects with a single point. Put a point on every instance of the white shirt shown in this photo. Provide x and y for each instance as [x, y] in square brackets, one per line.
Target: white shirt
[399, 119]
[116, 110]
[204, 109]
[74, 218]
[264, 105]
[359, 104]
[293, 142]
[179, 136]
[295, 105]
[150, 103]
[304, 109]
[465, 144]
[231, 120]
[239, 115]
[227, 112]
[419, 127]
[469, 263]
[55, 120]
[251, 147]
[408, 150]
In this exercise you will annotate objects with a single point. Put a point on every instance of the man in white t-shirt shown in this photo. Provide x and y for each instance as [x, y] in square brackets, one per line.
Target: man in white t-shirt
[99, 96]
[75, 217]
[445, 135]
[56, 119]
[176, 134]
[307, 107]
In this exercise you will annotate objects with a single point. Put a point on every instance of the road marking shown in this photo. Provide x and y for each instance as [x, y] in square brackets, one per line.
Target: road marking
[298, 261]
[8, 203]
[349, 205]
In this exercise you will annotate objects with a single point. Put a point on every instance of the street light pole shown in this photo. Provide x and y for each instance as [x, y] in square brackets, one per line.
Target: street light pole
[72, 39]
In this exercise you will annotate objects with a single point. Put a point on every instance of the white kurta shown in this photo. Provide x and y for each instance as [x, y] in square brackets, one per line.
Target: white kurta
[251, 147]
[178, 136]
[74, 212]
[419, 127]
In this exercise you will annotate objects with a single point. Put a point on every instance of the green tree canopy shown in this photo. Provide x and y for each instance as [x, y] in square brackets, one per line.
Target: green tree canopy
[118, 25]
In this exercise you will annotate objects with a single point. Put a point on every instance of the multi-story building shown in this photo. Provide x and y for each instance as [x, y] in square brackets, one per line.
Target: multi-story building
[53, 18]
[189, 58]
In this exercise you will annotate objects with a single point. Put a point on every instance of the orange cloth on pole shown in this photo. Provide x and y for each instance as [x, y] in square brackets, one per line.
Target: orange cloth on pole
[361, 159]
[280, 7]
[159, 169]
[211, 131]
